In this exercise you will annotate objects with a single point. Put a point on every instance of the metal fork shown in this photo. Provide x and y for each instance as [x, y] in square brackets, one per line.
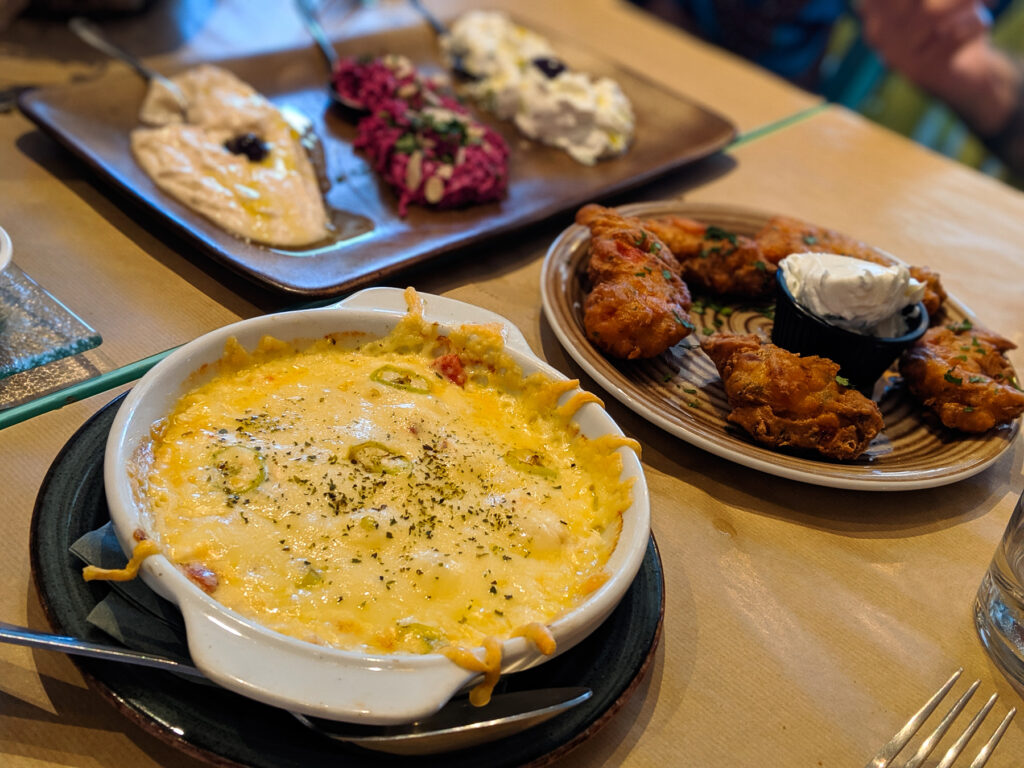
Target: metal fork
[889, 751]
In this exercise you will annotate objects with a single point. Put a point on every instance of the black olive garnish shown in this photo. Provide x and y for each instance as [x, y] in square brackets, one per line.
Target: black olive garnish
[551, 67]
[248, 144]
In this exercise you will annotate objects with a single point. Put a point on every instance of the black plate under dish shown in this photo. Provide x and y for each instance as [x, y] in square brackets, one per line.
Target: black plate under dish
[225, 728]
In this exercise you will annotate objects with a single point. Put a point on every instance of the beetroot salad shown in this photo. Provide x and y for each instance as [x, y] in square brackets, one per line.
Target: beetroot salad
[423, 142]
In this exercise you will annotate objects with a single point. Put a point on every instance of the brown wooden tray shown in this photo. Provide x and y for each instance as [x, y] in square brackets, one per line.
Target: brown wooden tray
[94, 119]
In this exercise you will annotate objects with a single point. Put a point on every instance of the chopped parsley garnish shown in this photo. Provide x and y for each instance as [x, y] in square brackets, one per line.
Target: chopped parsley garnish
[760, 266]
[948, 376]
[810, 239]
[976, 380]
[666, 274]
[449, 128]
[842, 381]
[717, 233]
[682, 322]
[406, 144]
[962, 326]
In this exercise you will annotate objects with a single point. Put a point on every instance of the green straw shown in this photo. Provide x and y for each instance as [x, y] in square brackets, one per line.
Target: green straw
[81, 390]
[778, 125]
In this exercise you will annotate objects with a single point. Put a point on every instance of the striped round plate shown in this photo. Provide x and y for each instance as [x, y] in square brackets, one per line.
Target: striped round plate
[681, 392]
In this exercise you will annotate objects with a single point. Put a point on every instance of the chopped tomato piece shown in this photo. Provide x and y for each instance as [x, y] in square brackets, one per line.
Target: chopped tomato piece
[202, 577]
[451, 367]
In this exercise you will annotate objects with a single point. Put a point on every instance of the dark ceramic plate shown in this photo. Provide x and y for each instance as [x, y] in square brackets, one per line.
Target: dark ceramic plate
[225, 728]
[94, 119]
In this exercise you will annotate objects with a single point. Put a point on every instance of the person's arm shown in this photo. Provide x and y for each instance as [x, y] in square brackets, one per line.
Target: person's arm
[944, 46]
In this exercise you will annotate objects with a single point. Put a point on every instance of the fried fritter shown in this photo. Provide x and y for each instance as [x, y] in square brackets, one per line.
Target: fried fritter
[785, 400]
[716, 260]
[638, 306]
[963, 375]
[783, 235]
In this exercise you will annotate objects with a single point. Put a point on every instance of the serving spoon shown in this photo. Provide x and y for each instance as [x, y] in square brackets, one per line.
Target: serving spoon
[90, 34]
[457, 725]
[307, 12]
[458, 65]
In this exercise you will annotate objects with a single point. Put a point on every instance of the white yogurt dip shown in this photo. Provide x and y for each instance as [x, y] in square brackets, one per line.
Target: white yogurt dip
[497, 52]
[273, 199]
[856, 295]
[590, 118]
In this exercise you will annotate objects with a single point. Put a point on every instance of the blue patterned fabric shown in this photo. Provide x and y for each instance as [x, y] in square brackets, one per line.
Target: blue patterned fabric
[786, 37]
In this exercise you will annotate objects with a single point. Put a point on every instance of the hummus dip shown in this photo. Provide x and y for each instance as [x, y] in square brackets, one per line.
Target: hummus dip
[233, 157]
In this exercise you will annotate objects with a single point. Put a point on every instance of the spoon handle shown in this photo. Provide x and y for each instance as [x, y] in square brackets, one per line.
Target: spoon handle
[429, 17]
[316, 31]
[32, 639]
[91, 34]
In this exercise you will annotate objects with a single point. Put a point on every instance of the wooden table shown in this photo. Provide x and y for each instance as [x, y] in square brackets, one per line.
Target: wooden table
[802, 624]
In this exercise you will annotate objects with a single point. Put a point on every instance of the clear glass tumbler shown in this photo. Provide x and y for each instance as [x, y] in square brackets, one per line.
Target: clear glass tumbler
[999, 606]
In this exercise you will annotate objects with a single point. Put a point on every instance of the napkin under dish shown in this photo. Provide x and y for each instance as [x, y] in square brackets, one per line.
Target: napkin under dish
[131, 613]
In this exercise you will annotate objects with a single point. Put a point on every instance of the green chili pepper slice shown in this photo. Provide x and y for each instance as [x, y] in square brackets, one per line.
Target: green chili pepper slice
[377, 457]
[430, 636]
[242, 469]
[401, 378]
[310, 579]
[530, 462]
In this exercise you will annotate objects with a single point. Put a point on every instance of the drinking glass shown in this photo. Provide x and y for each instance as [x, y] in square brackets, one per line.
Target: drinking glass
[999, 606]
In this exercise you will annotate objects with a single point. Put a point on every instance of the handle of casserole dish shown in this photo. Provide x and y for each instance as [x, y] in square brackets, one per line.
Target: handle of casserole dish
[323, 682]
[437, 309]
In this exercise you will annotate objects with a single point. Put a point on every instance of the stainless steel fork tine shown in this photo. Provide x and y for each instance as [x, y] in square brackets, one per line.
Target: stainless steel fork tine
[890, 750]
[986, 751]
[960, 743]
[929, 744]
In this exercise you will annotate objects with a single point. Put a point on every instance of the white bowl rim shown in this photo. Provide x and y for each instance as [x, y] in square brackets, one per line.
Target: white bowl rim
[6, 249]
[210, 625]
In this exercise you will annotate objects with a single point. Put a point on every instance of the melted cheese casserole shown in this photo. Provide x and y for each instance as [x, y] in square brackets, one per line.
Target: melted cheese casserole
[412, 494]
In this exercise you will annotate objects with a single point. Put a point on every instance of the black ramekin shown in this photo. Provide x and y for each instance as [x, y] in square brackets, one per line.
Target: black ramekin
[862, 358]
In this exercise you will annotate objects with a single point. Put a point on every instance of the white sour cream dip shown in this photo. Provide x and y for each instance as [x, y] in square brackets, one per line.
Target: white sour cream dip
[856, 295]
[590, 118]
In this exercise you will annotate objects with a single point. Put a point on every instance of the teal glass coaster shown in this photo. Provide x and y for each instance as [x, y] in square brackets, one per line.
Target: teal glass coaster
[36, 328]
